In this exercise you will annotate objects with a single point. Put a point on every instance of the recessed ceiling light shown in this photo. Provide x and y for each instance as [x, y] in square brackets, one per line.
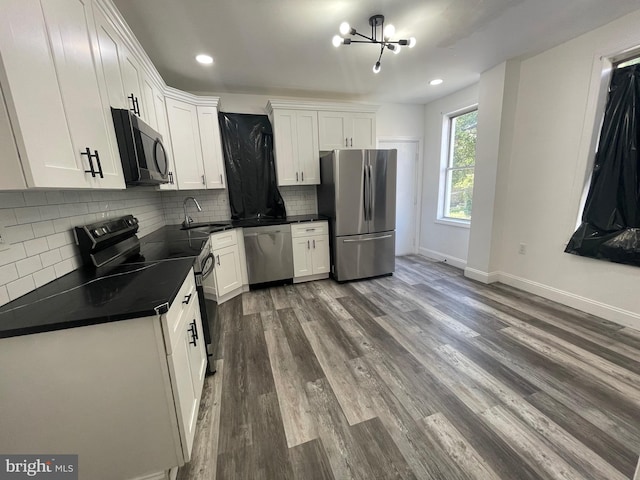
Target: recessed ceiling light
[436, 81]
[204, 59]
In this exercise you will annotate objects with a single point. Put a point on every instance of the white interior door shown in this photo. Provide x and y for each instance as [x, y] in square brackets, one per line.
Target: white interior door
[406, 193]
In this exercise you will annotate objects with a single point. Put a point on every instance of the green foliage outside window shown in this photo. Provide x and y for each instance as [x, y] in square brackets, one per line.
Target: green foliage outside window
[460, 168]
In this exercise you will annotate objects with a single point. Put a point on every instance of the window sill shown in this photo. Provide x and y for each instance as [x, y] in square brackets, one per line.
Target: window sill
[453, 223]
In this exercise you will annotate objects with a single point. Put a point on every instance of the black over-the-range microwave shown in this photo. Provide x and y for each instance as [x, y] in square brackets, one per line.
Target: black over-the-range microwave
[144, 159]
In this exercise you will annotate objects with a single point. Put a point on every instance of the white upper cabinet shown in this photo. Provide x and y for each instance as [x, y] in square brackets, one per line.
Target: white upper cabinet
[296, 146]
[131, 80]
[347, 130]
[57, 102]
[148, 108]
[195, 141]
[211, 147]
[185, 144]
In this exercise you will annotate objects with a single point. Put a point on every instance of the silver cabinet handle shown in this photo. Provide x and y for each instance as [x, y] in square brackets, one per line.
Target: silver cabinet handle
[368, 239]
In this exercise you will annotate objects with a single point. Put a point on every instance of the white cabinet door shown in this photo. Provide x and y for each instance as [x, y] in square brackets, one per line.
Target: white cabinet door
[302, 261]
[55, 98]
[184, 394]
[346, 130]
[308, 153]
[131, 81]
[197, 352]
[109, 48]
[285, 143]
[332, 130]
[211, 144]
[185, 143]
[363, 130]
[227, 269]
[148, 108]
[163, 129]
[320, 254]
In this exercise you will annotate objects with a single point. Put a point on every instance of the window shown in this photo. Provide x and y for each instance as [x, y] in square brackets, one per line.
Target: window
[460, 164]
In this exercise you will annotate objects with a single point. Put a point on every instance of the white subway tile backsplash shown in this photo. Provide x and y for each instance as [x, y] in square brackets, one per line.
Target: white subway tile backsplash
[51, 257]
[11, 199]
[49, 212]
[27, 215]
[4, 295]
[44, 276]
[13, 254]
[56, 240]
[36, 246]
[7, 217]
[28, 266]
[55, 198]
[19, 233]
[20, 287]
[42, 229]
[35, 198]
[64, 267]
[68, 251]
[8, 273]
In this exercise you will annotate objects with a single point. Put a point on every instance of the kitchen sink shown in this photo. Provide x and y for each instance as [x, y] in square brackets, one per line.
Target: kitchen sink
[205, 226]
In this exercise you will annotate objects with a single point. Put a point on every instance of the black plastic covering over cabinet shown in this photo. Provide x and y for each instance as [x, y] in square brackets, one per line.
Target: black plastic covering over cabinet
[247, 143]
[610, 228]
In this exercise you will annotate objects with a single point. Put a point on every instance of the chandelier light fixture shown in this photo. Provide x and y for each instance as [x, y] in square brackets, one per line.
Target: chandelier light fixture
[380, 35]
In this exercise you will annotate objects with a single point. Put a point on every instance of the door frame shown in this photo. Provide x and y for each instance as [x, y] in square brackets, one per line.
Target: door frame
[419, 166]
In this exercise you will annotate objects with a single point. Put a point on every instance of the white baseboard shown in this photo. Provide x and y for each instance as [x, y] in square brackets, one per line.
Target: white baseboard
[481, 276]
[603, 310]
[443, 257]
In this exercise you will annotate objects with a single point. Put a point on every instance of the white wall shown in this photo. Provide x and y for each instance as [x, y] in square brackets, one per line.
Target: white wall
[438, 240]
[540, 194]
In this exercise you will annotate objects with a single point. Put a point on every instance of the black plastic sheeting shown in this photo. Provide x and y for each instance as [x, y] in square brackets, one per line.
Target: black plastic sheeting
[610, 228]
[247, 143]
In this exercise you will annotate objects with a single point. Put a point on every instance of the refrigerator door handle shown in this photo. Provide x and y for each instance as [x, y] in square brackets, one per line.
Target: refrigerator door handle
[370, 193]
[365, 193]
[367, 239]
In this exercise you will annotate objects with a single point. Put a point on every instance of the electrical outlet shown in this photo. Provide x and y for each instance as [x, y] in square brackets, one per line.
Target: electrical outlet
[4, 244]
[522, 249]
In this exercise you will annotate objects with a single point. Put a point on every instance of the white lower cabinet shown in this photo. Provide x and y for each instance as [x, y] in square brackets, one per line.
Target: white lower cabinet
[123, 396]
[310, 251]
[228, 275]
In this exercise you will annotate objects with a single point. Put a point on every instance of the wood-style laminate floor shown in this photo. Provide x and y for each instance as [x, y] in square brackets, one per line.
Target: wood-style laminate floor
[422, 375]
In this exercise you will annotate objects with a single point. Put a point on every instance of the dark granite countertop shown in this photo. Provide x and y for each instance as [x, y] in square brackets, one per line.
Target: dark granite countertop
[83, 297]
[221, 225]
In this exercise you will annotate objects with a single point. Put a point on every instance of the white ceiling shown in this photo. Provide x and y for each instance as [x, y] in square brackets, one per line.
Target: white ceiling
[283, 47]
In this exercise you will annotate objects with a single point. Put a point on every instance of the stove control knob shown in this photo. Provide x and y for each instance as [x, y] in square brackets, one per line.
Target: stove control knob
[96, 232]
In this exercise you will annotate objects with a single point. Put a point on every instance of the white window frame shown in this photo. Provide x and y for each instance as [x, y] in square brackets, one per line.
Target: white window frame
[446, 152]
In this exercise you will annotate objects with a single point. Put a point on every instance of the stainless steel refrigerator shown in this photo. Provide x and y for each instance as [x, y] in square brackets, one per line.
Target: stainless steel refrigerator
[358, 194]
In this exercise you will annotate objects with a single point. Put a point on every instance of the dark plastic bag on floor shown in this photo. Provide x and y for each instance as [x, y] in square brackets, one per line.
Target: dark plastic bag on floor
[610, 228]
[247, 144]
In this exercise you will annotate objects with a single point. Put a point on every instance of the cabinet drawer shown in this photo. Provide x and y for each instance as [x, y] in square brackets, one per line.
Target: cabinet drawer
[309, 228]
[224, 239]
[173, 321]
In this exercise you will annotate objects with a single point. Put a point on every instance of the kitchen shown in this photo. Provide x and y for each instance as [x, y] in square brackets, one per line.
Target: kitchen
[38, 223]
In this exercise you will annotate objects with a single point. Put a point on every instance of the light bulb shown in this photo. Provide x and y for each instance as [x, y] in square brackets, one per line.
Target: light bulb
[396, 50]
[337, 40]
[376, 67]
[412, 42]
[436, 81]
[204, 59]
[389, 31]
[344, 28]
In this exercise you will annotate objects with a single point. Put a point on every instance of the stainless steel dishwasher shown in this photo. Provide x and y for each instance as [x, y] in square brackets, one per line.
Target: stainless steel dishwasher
[269, 253]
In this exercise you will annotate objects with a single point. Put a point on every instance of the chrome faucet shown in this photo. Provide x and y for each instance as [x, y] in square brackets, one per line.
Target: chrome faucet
[187, 219]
